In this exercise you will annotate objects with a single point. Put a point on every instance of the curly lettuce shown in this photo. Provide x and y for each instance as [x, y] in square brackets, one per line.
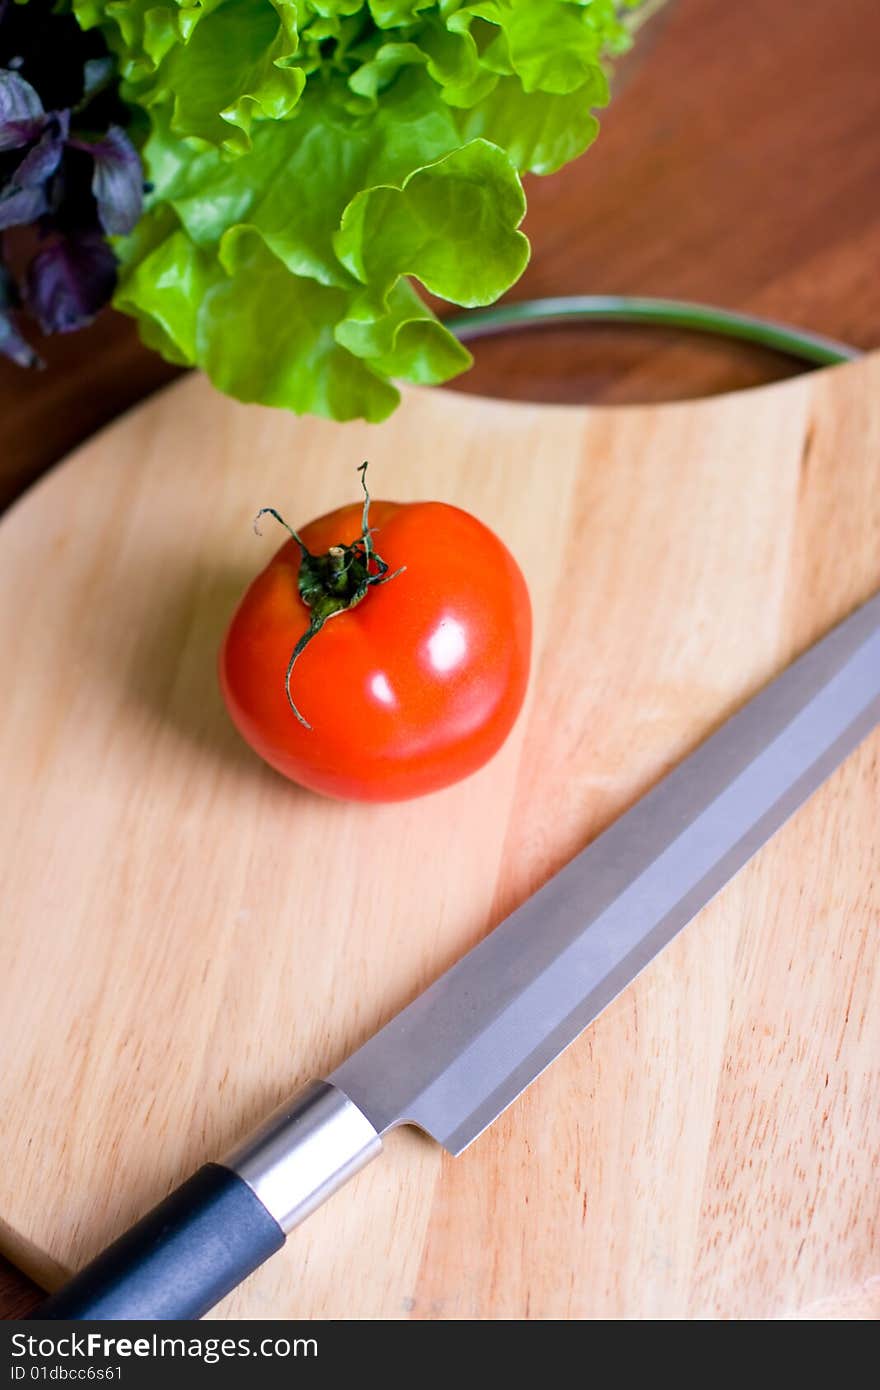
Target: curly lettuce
[310, 159]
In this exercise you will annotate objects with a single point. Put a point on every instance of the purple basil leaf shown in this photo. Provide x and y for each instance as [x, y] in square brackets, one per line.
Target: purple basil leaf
[20, 109]
[98, 73]
[43, 159]
[12, 344]
[14, 135]
[19, 206]
[118, 181]
[69, 281]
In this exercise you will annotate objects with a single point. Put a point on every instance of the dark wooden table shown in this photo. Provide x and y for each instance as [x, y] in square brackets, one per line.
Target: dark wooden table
[738, 164]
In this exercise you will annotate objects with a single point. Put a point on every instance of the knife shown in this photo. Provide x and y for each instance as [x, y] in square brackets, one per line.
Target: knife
[457, 1056]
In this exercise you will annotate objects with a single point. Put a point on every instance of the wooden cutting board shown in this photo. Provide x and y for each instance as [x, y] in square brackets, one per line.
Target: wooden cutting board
[186, 937]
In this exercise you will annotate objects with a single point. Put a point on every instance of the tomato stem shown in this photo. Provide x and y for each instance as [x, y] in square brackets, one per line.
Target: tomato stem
[332, 583]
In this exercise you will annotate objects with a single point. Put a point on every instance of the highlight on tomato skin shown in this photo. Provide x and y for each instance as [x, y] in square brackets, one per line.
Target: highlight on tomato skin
[414, 686]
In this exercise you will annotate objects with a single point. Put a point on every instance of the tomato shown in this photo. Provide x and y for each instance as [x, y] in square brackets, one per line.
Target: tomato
[410, 689]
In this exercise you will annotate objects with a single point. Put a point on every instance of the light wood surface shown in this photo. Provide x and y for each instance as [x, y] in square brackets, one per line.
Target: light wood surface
[185, 937]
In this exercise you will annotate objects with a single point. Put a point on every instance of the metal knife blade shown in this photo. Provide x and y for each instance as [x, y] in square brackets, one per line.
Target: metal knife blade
[465, 1048]
[461, 1052]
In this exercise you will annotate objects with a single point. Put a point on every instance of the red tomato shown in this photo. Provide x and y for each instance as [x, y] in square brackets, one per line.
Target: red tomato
[408, 691]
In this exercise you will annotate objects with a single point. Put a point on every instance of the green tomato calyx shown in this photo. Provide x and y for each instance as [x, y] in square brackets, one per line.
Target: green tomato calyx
[334, 582]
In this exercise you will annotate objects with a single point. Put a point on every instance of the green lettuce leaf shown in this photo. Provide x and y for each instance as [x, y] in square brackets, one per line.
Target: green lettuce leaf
[451, 224]
[285, 351]
[311, 161]
[540, 135]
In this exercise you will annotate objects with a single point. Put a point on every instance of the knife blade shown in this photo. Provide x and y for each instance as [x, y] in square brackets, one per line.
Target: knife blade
[455, 1058]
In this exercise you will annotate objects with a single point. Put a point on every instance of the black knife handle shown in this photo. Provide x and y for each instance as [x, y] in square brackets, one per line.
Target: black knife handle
[220, 1225]
[179, 1260]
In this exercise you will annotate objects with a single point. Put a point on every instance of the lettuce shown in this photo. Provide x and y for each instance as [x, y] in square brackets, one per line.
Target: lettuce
[310, 159]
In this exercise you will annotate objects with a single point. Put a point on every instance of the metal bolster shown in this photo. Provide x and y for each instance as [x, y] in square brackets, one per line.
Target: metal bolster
[308, 1148]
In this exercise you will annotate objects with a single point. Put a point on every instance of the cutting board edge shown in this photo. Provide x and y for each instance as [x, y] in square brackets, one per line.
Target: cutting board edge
[462, 399]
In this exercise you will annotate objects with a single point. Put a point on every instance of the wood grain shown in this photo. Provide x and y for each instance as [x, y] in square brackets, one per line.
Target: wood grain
[186, 937]
[738, 165]
[767, 199]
